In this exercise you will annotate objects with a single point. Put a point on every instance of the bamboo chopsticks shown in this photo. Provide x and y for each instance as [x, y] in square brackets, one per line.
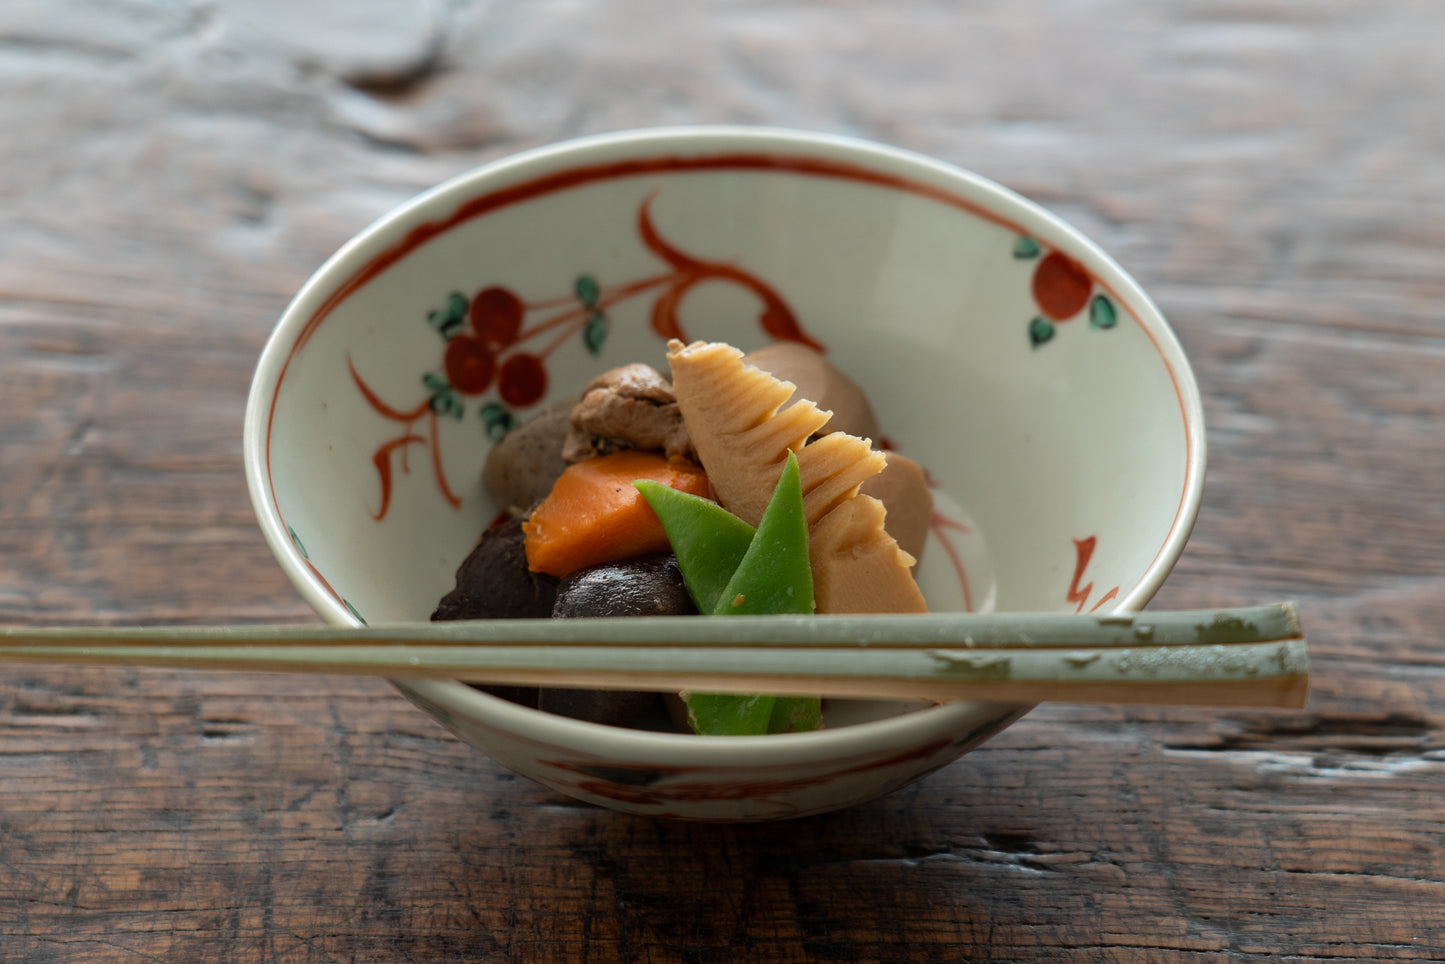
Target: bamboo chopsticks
[1252, 656]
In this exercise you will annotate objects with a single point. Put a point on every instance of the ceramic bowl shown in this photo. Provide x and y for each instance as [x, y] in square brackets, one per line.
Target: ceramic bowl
[1036, 382]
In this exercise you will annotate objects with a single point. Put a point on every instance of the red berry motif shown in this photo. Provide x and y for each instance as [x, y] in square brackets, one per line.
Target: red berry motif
[496, 316]
[494, 359]
[522, 380]
[469, 365]
[1061, 286]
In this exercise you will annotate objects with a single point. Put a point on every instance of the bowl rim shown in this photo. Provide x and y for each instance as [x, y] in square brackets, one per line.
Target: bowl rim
[979, 194]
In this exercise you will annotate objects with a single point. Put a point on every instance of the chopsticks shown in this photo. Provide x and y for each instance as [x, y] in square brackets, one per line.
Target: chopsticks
[1252, 656]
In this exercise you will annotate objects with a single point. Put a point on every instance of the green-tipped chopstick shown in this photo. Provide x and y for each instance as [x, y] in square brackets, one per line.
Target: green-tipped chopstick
[1238, 657]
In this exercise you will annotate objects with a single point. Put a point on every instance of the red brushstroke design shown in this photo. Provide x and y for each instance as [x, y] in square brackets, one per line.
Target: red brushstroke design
[399, 444]
[941, 526]
[615, 170]
[776, 319]
[1083, 552]
[493, 346]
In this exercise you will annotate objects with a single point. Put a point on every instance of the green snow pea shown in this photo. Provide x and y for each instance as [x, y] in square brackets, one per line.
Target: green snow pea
[731, 569]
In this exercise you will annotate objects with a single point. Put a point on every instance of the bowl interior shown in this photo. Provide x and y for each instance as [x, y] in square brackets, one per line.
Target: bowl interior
[1032, 378]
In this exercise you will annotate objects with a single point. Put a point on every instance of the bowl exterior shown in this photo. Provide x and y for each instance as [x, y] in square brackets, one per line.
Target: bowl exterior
[665, 775]
[1026, 371]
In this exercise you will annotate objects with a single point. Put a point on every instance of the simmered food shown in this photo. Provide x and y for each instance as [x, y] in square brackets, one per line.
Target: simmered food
[645, 586]
[726, 490]
[649, 585]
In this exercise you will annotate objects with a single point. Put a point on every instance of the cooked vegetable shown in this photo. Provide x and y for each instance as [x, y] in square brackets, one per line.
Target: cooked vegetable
[650, 585]
[774, 575]
[902, 487]
[521, 469]
[742, 439]
[727, 714]
[769, 573]
[493, 582]
[796, 714]
[857, 567]
[645, 586]
[708, 540]
[594, 515]
[818, 380]
[732, 413]
[604, 515]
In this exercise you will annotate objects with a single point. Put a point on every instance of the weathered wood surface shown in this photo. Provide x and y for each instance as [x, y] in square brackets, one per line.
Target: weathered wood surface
[1274, 173]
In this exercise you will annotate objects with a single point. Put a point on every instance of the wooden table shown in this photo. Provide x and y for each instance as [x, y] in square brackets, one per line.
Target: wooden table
[170, 173]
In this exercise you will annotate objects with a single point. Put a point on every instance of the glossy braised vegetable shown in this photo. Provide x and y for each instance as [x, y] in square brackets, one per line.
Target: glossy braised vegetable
[770, 456]
[742, 421]
[594, 515]
[646, 586]
[769, 576]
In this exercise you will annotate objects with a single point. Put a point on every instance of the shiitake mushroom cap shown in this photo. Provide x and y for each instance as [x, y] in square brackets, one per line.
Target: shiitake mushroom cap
[495, 583]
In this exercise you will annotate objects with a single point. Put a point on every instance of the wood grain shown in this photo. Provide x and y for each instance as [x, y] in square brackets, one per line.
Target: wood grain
[171, 173]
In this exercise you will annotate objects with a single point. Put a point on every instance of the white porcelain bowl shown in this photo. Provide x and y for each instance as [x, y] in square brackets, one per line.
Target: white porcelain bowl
[1036, 382]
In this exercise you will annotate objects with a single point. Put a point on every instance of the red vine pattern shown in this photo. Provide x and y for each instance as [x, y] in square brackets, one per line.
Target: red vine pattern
[401, 443]
[493, 356]
[1104, 307]
[942, 528]
[1083, 552]
[483, 358]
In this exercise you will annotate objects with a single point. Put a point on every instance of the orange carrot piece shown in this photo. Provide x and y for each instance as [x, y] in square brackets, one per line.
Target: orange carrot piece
[594, 514]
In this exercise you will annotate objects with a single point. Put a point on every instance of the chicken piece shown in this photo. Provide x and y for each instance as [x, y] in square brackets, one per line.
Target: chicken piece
[631, 407]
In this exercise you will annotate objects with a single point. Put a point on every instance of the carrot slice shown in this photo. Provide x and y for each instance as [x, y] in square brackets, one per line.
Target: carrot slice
[594, 514]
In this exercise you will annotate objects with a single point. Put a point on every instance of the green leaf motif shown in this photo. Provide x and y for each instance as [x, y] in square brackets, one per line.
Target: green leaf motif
[453, 316]
[498, 421]
[296, 541]
[1025, 248]
[352, 609]
[588, 291]
[1040, 331]
[444, 401]
[594, 335]
[1102, 313]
